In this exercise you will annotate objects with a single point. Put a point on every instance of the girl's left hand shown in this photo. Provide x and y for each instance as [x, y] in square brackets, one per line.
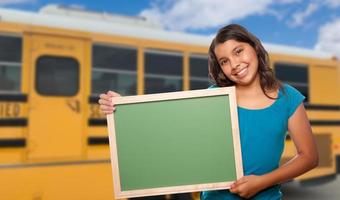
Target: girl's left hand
[248, 186]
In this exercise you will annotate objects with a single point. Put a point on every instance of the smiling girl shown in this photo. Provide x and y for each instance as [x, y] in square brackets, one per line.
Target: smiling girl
[267, 109]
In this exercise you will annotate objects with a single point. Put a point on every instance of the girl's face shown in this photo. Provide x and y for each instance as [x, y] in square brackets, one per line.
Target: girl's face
[238, 61]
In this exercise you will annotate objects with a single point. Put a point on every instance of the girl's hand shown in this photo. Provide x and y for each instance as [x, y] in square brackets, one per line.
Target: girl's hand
[248, 186]
[105, 102]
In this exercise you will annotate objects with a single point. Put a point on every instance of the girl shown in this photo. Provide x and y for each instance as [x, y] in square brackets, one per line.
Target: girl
[266, 111]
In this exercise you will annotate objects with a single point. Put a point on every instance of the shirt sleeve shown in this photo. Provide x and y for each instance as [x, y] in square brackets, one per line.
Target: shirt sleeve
[294, 99]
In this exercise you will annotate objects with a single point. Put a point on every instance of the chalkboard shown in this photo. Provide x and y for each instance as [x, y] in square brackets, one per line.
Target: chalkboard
[174, 142]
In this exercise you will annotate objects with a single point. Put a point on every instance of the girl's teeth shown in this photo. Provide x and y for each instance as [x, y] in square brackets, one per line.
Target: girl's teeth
[241, 72]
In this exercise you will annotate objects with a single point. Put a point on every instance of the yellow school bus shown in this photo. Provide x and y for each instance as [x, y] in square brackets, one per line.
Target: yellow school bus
[55, 62]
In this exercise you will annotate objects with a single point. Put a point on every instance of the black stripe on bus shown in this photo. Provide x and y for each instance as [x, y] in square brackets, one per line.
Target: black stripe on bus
[13, 122]
[97, 122]
[13, 97]
[19, 142]
[322, 107]
[325, 122]
[321, 123]
[98, 141]
[93, 99]
[77, 162]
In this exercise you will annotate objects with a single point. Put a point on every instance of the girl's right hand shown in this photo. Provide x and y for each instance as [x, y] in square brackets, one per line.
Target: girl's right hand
[105, 102]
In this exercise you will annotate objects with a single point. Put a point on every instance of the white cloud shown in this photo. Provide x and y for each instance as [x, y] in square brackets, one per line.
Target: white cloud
[288, 1]
[77, 6]
[11, 2]
[201, 14]
[299, 17]
[329, 37]
[182, 15]
[332, 3]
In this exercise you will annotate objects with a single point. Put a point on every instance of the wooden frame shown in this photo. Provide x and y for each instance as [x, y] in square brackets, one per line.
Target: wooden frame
[228, 91]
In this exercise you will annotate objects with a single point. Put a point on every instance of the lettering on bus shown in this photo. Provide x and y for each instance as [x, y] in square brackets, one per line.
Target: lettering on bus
[9, 110]
[74, 105]
[59, 46]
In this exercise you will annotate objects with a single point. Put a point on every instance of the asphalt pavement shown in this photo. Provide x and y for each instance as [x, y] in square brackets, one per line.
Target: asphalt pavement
[325, 189]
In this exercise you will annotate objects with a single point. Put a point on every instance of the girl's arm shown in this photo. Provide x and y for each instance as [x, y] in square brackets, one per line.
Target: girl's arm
[307, 156]
[305, 159]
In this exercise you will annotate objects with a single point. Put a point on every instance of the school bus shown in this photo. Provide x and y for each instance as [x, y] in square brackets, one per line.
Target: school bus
[55, 62]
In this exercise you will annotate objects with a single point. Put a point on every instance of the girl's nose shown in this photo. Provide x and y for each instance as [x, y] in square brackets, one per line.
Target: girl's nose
[234, 63]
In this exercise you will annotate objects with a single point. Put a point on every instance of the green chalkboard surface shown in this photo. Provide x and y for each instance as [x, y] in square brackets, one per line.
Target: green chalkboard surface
[174, 142]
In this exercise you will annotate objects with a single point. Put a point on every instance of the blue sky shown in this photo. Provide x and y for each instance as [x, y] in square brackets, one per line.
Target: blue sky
[310, 24]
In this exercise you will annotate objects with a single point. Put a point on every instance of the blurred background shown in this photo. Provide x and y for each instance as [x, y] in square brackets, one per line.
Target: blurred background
[56, 57]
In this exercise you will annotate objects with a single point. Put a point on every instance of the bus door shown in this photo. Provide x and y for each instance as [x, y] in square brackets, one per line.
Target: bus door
[56, 98]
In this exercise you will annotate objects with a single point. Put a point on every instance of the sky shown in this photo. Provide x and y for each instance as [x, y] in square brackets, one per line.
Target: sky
[313, 24]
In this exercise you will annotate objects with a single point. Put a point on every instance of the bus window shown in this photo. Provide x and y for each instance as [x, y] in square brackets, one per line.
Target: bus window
[163, 71]
[57, 76]
[295, 75]
[199, 78]
[10, 64]
[114, 68]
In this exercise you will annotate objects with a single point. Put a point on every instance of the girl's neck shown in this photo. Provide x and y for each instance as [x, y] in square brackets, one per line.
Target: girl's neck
[252, 97]
[254, 88]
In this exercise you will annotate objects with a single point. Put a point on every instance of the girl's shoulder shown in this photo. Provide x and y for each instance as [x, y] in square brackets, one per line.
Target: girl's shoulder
[292, 98]
[290, 91]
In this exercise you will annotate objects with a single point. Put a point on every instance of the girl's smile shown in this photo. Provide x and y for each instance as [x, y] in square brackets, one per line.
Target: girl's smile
[241, 73]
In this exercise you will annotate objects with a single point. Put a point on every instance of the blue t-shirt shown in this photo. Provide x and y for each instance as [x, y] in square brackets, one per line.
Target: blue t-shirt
[262, 135]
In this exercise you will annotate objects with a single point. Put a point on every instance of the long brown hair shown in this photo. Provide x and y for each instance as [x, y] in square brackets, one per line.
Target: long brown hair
[236, 32]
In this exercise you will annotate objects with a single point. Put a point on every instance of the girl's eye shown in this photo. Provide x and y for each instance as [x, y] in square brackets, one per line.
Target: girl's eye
[223, 62]
[239, 51]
